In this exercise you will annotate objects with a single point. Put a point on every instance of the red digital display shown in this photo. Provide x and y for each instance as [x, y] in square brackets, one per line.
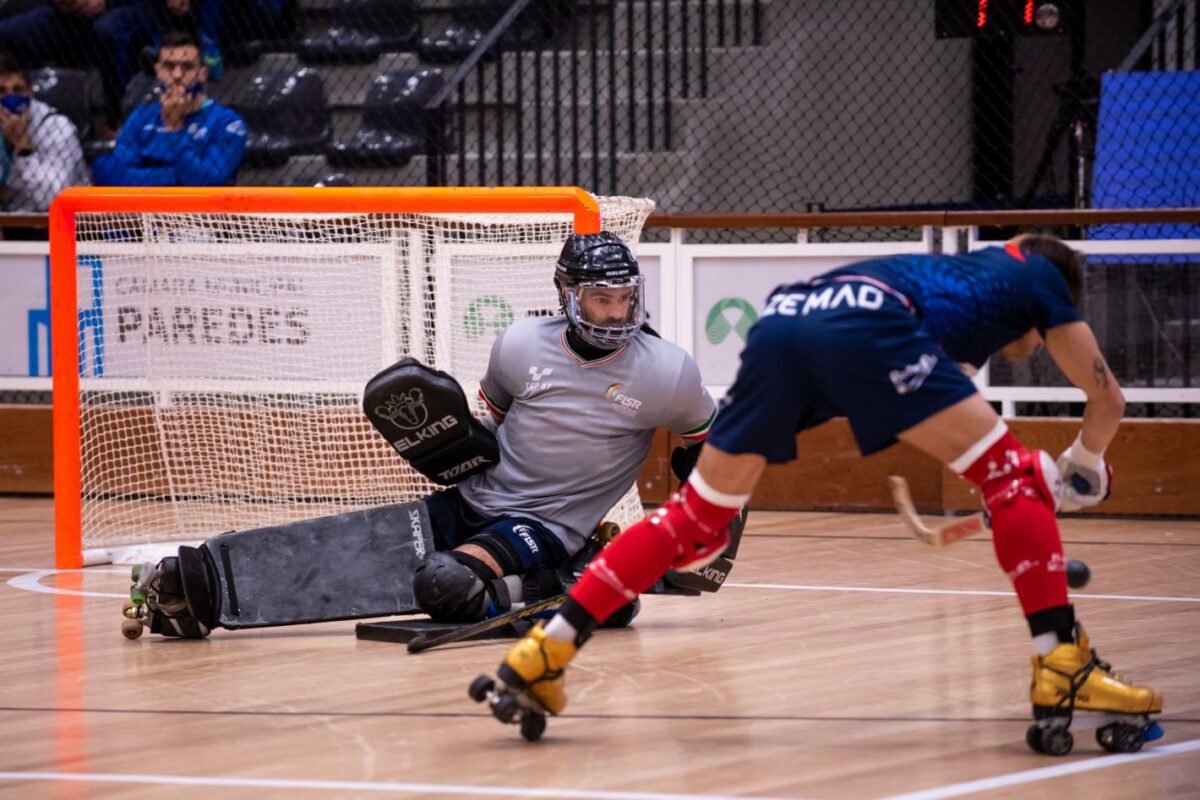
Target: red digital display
[976, 18]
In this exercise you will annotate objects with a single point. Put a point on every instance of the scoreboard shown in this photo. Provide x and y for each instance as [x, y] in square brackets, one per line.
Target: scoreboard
[972, 18]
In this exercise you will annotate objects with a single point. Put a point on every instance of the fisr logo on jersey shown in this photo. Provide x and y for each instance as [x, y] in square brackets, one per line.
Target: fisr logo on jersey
[628, 405]
[537, 379]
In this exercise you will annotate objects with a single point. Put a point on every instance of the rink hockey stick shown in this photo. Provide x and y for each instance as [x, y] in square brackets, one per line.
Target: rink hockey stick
[422, 642]
[935, 536]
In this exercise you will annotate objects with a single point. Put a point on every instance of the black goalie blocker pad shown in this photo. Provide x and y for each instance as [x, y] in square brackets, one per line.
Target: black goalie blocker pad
[345, 566]
[424, 415]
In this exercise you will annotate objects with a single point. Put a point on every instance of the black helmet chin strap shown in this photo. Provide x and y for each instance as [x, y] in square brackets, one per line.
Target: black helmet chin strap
[588, 351]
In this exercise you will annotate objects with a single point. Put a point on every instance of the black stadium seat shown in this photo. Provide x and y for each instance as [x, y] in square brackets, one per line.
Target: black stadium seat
[320, 178]
[66, 90]
[394, 126]
[365, 30]
[286, 113]
[470, 20]
[140, 89]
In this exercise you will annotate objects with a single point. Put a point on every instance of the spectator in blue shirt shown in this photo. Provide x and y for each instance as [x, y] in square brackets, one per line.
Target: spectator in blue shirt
[182, 139]
[109, 34]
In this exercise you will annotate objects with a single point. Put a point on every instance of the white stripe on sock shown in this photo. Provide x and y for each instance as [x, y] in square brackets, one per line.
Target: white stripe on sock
[964, 462]
[701, 487]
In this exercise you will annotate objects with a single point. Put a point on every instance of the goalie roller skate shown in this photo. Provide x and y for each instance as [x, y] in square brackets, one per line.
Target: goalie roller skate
[529, 684]
[1072, 686]
[158, 600]
[136, 609]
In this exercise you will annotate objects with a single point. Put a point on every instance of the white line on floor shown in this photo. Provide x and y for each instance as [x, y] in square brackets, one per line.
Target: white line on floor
[357, 786]
[30, 582]
[800, 587]
[1046, 773]
[85, 571]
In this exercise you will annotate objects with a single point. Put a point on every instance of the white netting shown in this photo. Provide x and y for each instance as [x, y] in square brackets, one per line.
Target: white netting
[222, 356]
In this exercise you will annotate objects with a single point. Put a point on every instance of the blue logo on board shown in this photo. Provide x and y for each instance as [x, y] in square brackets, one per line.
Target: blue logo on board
[90, 321]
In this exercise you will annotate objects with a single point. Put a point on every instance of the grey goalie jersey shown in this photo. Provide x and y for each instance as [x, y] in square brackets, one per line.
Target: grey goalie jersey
[574, 433]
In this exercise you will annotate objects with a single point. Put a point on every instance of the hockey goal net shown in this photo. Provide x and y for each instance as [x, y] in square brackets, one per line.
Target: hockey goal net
[210, 346]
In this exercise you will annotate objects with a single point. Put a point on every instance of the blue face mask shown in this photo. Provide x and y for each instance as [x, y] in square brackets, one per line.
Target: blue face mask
[15, 103]
[196, 88]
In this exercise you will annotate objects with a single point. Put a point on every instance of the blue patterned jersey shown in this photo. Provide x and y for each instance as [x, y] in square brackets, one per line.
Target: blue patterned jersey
[975, 304]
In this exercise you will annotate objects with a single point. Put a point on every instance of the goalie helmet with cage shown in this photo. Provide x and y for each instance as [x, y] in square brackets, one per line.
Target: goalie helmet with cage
[601, 289]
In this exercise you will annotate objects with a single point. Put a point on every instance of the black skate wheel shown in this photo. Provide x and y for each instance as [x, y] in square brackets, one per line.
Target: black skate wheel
[1120, 737]
[479, 688]
[505, 708]
[1033, 738]
[532, 726]
[1057, 741]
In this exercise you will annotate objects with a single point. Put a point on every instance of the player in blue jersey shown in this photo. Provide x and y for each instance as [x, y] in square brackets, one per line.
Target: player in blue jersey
[880, 342]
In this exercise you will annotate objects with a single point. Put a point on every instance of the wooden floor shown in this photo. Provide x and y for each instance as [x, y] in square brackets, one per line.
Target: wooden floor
[844, 660]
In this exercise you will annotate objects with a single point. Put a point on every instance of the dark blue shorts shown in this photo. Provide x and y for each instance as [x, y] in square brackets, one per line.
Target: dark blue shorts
[842, 348]
[529, 541]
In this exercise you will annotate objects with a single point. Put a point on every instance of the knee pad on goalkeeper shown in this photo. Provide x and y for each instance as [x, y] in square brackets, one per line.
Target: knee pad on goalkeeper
[452, 587]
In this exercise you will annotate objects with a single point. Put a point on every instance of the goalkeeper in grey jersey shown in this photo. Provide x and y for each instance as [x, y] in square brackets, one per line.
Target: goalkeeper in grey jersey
[575, 399]
[574, 402]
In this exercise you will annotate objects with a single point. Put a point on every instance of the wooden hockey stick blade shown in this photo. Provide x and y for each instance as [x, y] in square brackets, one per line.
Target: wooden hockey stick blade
[938, 536]
[422, 642]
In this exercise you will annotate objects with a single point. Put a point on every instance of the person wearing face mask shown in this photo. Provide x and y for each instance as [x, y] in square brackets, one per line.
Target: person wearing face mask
[108, 35]
[41, 151]
[184, 138]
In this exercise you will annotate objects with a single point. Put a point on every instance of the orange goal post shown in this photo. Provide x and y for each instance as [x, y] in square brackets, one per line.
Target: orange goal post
[209, 346]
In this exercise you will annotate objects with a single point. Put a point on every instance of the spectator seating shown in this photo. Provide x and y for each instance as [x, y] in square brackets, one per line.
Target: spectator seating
[365, 29]
[140, 89]
[470, 20]
[68, 91]
[248, 32]
[394, 122]
[373, 106]
[320, 178]
[286, 113]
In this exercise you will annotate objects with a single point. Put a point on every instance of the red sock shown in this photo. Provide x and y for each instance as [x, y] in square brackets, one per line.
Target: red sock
[682, 531]
[1025, 531]
[627, 567]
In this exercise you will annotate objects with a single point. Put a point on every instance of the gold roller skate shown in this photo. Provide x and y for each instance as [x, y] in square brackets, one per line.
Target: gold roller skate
[1072, 680]
[529, 683]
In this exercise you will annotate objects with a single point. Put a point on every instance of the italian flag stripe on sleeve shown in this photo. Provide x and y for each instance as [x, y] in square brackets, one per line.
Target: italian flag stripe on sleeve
[700, 431]
[496, 410]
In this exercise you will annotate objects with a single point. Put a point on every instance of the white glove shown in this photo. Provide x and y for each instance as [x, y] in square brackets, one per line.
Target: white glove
[1086, 477]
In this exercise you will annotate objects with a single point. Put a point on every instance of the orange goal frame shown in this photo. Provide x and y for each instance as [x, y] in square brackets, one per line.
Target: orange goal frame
[582, 206]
